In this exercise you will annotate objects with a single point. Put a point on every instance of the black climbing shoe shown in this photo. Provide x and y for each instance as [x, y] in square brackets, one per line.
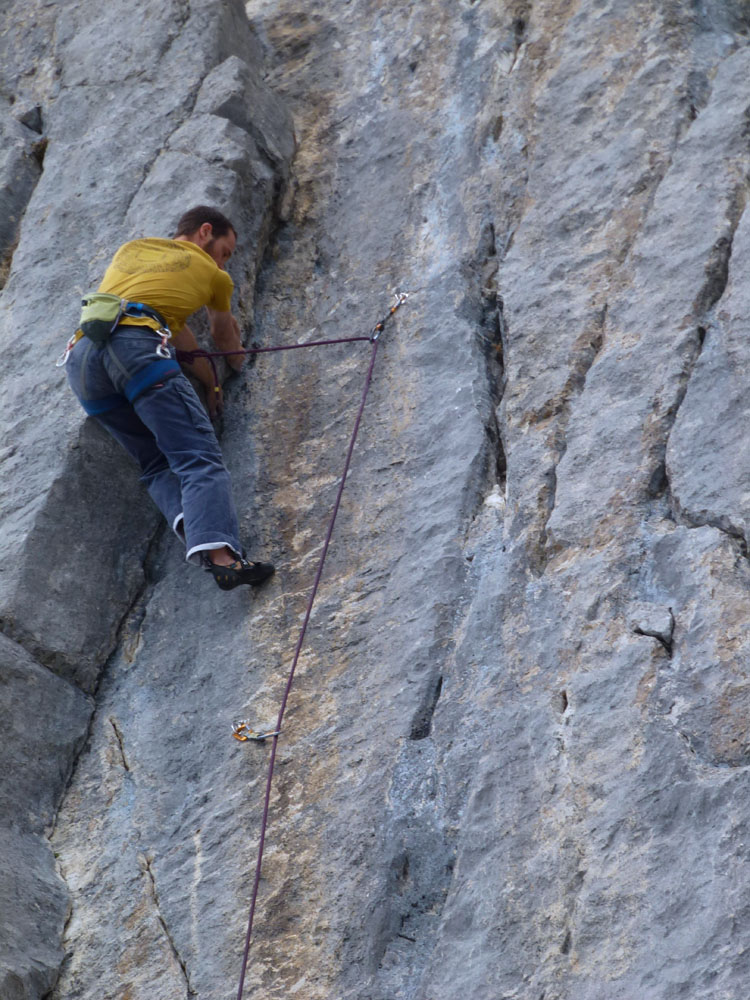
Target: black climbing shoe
[241, 571]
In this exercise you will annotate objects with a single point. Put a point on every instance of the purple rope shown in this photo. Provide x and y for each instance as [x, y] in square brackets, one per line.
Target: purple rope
[318, 575]
[189, 356]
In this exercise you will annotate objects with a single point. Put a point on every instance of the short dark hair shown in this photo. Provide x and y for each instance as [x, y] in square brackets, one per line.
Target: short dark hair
[194, 218]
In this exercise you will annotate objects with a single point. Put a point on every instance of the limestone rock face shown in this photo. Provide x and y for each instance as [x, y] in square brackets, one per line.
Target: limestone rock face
[44, 722]
[108, 132]
[515, 758]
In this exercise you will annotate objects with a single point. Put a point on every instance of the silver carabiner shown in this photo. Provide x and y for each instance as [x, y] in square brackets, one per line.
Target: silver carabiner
[162, 351]
[62, 360]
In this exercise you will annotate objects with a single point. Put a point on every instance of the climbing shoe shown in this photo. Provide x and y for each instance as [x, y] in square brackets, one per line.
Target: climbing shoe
[241, 571]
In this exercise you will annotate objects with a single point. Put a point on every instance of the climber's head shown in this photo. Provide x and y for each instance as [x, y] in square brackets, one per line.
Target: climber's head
[209, 229]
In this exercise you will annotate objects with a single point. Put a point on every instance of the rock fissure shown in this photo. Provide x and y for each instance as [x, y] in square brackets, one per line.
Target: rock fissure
[704, 305]
[696, 96]
[484, 308]
[520, 32]
[139, 602]
[21, 168]
[665, 640]
[701, 752]
[421, 725]
[717, 264]
[182, 118]
[586, 350]
[178, 21]
[120, 743]
[147, 868]
[493, 334]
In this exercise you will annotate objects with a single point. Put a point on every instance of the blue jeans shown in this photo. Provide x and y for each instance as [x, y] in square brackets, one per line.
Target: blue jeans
[149, 406]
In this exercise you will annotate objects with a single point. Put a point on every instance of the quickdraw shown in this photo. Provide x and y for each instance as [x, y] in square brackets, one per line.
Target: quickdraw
[401, 297]
[242, 732]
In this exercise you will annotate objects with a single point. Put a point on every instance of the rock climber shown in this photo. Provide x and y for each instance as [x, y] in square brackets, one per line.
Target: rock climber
[132, 384]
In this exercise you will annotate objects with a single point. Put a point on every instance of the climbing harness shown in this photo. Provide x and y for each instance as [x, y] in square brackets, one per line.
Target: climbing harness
[241, 730]
[102, 313]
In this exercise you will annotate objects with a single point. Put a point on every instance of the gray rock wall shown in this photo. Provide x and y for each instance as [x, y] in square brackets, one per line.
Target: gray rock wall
[114, 120]
[515, 759]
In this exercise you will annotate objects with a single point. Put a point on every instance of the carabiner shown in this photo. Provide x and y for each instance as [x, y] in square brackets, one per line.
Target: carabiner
[401, 297]
[162, 351]
[62, 360]
[242, 732]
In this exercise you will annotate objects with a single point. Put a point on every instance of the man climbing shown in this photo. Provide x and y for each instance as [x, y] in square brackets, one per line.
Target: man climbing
[131, 383]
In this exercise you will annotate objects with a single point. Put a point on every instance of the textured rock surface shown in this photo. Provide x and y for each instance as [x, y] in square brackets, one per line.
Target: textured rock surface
[515, 763]
[128, 134]
[44, 722]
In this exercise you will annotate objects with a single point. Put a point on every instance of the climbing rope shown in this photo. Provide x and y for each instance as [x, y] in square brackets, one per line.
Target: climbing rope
[242, 730]
[187, 357]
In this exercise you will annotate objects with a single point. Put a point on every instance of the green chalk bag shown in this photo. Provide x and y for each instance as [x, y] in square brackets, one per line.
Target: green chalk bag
[100, 315]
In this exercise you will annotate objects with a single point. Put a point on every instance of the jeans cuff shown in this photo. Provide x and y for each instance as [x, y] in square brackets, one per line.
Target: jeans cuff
[193, 555]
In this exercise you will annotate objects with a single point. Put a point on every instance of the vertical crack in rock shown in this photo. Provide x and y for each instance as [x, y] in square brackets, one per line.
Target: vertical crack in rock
[704, 305]
[487, 312]
[585, 352]
[6, 261]
[421, 725]
[695, 98]
[573, 894]
[146, 866]
[134, 614]
[572, 852]
[118, 736]
[179, 19]
[419, 877]
[20, 170]
[658, 484]
[181, 120]
[496, 381]
[520, 29]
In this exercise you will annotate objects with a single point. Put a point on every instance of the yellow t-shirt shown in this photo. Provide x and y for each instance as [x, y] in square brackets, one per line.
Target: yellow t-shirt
[175, 277]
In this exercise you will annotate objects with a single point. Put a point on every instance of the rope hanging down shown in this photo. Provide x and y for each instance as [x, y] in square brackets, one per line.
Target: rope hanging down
[242, 730]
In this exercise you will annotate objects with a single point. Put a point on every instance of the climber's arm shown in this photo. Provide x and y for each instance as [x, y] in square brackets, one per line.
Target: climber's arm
[225, 331]
[201, 368]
